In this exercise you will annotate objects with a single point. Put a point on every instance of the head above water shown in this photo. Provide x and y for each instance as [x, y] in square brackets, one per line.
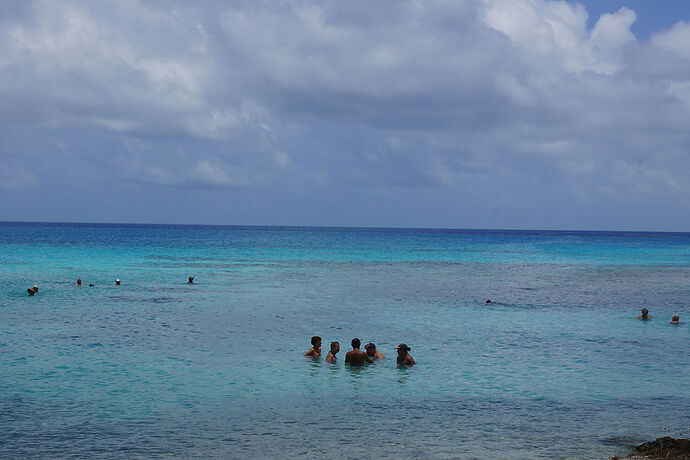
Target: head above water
[191, 279]
[370, 348]
[676, 317]
[117, 281]
[335, 347]
[356, 343]
[645, 312]
[316, 341]
[402, 349]
[78, 280]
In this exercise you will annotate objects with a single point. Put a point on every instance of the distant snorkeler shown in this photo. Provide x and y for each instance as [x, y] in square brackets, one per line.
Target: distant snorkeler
[675, 319]
[372, 352]
[644, 315]
[315, 350]
[117, 282]
[404, 356]
[191, 280]
[335, 348]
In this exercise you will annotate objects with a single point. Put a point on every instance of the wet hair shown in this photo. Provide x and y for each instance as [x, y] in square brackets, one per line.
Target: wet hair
[356, 343]
[315, 340]
[645, 311]
[676, 317]
[370, 348]
[334, 344]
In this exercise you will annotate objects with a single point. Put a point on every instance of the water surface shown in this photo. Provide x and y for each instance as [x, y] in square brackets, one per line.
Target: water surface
[557, 367]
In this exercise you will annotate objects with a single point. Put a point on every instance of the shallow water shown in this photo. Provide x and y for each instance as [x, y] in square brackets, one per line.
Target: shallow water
[558, 367]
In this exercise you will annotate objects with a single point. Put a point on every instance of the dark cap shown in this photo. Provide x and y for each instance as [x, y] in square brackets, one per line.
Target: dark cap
[403, 346]
[369, 345]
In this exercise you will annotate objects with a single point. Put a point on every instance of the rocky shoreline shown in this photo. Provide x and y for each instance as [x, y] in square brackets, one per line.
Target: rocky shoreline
[666, 448]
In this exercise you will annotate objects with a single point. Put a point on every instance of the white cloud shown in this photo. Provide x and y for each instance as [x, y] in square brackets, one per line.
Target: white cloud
[676, 39]
[310, 94]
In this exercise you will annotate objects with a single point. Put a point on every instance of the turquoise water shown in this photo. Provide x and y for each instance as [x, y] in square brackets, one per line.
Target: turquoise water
[558, 367]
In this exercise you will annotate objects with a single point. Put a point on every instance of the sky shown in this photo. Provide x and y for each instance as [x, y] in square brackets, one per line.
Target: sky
[506, 114]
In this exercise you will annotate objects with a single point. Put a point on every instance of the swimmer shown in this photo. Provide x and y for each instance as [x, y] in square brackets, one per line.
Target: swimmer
[31, 291]
[335, 348]
[489, 301]
[91, 284]
[315, 349]
[35, 288]
[372, 352]
[191, 280]
[117, 282]
[356, 357]
[403, 356]
[78, 281]
[644, 315]
[675, 319]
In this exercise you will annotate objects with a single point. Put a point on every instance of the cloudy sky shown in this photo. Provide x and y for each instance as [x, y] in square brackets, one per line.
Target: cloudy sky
[530, 114]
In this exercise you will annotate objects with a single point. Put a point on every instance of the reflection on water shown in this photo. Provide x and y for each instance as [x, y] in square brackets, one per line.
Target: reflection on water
[404, 373]
[357, 373]
[315, 365]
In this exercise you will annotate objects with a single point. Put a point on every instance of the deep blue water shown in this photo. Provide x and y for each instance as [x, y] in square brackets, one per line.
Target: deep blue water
[558, 367]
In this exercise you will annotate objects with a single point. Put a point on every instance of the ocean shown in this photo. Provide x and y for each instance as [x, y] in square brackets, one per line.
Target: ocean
[557, 367]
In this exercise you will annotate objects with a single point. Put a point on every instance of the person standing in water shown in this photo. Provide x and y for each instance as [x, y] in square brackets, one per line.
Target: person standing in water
[644, 315]
[675, 319]
[78, 281]
[117, 282]
[191, 280]
[403, 356]
[335, 348]
[372, 352]
[315, 350]
[357, 357]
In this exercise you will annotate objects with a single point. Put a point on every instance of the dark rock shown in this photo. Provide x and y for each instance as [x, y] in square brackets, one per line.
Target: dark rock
[665, 447]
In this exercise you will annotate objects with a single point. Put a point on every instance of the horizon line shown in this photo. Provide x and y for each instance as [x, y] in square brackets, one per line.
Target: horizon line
[354, 227]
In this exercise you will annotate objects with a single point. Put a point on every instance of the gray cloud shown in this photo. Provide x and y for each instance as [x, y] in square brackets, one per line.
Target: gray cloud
[513, 106]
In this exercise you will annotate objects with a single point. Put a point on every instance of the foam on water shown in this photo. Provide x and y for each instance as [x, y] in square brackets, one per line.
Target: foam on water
[558, 367]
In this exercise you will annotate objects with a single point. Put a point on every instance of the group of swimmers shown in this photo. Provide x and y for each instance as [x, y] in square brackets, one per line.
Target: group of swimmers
[34, 290]
[675, 319]
[357, 357]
